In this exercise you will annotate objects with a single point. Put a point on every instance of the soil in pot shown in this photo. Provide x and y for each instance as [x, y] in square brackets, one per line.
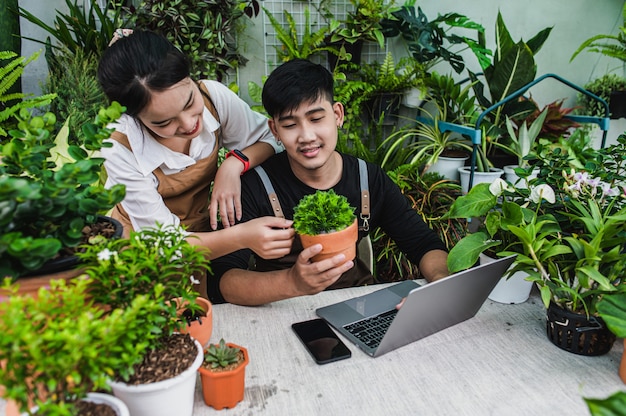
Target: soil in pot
[85, 408]
[175, 356]
[66, 258]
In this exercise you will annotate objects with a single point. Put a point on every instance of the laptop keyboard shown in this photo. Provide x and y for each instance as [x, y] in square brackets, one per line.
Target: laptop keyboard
[371, 330]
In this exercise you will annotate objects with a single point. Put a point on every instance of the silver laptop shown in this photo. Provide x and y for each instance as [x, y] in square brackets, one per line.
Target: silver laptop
[426, 310]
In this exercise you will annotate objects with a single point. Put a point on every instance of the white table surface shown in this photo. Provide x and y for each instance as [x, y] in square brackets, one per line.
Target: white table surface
[499, 362]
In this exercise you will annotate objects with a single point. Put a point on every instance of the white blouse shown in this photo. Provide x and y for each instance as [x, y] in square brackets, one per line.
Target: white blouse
[240, 128]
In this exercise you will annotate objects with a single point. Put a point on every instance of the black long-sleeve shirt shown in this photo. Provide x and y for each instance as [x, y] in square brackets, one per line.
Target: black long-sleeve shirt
[389, 209]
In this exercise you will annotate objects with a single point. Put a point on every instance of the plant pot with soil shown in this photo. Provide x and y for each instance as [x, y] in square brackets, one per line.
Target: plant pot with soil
[327, 218]
[161, 264]
[223, 375]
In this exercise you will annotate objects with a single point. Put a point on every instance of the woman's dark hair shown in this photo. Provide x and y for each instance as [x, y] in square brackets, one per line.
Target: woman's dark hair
[135, 65]
[294, 83]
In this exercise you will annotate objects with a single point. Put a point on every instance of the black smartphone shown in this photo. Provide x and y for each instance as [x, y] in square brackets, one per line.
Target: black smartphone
[321, 341]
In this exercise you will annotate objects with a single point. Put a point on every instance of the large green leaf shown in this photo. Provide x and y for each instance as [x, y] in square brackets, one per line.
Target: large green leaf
[466, 252]
[612, 308]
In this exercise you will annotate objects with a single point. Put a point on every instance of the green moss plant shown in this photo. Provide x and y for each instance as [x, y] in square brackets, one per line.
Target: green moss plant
[322, 212]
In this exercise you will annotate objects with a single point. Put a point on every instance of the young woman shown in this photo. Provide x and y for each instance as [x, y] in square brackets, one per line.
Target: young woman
[165, 148]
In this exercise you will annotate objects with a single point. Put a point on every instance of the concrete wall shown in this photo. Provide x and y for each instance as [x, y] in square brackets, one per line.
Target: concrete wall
[573, 21]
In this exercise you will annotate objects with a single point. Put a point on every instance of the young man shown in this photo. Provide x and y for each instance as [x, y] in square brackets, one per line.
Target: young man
[298, 96]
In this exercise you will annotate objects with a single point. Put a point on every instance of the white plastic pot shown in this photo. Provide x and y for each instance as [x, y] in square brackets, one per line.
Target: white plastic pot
[479, 177]
[512, 290]
[174, 396]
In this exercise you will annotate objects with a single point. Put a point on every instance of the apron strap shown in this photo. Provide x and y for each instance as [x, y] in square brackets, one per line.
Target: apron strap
[363, 182]
[269, 189]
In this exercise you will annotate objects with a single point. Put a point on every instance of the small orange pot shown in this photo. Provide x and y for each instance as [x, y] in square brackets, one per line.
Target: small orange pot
[334, 243]
[225, 388]
[200, 330]
[622, 366]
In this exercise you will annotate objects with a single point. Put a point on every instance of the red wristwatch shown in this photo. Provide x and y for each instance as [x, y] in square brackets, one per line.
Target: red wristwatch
[243, 158]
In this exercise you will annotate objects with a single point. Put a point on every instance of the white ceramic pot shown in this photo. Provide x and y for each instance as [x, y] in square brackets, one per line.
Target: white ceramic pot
[479, 177]
[118, 406]
[512, 290]
[163, 398]
[513, 178]
[448, 167]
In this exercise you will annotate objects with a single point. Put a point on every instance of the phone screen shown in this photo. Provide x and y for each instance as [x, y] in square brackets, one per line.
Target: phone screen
[321, 341]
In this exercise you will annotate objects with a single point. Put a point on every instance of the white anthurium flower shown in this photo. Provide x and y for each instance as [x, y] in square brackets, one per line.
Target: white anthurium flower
[498, 186]
[542, 191]
[194, 280]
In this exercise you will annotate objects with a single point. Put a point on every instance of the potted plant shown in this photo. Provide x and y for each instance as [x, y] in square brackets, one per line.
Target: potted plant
[60, 347]
[610, 88]
[52, 195]
[568, 231]
[363, 24]
[429, 42]
[161, 263]
[326, 218]
[223, 374]
[391, 80]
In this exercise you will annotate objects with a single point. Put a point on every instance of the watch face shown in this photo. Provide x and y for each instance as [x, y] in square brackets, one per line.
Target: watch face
[240, 155]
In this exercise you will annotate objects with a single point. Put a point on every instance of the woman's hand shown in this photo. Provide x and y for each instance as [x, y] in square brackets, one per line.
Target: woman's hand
[268, 237]
[226, 194]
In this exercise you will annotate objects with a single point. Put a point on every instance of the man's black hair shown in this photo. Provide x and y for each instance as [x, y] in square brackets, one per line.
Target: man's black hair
[294, 83]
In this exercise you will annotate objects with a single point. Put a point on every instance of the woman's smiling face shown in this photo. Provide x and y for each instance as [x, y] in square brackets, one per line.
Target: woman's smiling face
[175, 112]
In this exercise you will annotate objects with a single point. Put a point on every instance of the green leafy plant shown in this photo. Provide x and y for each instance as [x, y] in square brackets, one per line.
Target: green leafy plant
[429, 42]
[88, 30]
[148, 260]
[513, 67]
[612, 309]
[221, 355]
[363, 23]
[431, 197]
[567, 229]
[613, 405]
[205, 31]
[12, 102]
[47, 200]
[295, 46]
[322, 212]
[523, 142]
[422, 142]
[79, 95]
[59, 346]
[601, 87]
[613, 46]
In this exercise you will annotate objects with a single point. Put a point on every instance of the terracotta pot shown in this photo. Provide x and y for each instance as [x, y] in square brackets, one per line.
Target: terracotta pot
[622, 366]
[222, 389]
[334, 243]
[200, 329]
